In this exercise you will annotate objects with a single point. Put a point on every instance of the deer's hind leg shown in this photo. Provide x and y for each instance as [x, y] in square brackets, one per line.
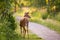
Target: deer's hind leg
[21, 31]
[24, 31]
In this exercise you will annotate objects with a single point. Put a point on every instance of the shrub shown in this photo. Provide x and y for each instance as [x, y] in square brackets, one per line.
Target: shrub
[44, 16]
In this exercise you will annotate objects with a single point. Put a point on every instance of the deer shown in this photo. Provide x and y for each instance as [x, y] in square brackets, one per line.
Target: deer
[24, 22]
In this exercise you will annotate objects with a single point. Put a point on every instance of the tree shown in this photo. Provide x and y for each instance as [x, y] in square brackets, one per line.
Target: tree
[53, 7]
[7, 21]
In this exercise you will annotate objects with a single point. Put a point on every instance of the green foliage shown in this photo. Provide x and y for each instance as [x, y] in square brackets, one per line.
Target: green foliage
[7, 34]
[34, 3]
[38, 3]
[44, 16]
[57, 3]
[11, 20]
[7, 22]
[51, 9]
[57, 17]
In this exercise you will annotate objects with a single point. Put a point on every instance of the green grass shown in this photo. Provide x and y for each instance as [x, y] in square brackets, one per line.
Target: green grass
[31, 37]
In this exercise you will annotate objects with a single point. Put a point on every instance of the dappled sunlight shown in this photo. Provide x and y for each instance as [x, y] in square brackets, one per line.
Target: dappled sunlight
[54, 7]
[46, 1]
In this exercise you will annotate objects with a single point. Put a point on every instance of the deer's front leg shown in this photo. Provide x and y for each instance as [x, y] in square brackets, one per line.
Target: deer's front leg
[28, 29]
[21, 30]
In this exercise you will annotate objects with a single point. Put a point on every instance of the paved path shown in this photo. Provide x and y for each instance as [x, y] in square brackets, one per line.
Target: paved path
[42, 31]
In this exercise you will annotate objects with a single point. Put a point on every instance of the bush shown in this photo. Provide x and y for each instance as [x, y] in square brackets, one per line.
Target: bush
[7, 27]
[11, 22]
[44, 16]
[7, 33]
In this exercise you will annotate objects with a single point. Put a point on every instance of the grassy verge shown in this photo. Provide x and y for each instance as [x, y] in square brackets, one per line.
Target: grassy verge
[31, 37]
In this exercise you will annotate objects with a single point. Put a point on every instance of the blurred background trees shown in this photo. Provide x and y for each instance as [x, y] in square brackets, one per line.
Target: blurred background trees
[52, 6]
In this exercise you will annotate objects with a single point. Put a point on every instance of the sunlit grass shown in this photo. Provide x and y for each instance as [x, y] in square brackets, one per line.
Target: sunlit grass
[32, 37]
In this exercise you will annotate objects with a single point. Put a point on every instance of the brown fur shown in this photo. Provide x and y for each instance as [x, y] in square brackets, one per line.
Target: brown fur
[24, 26]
